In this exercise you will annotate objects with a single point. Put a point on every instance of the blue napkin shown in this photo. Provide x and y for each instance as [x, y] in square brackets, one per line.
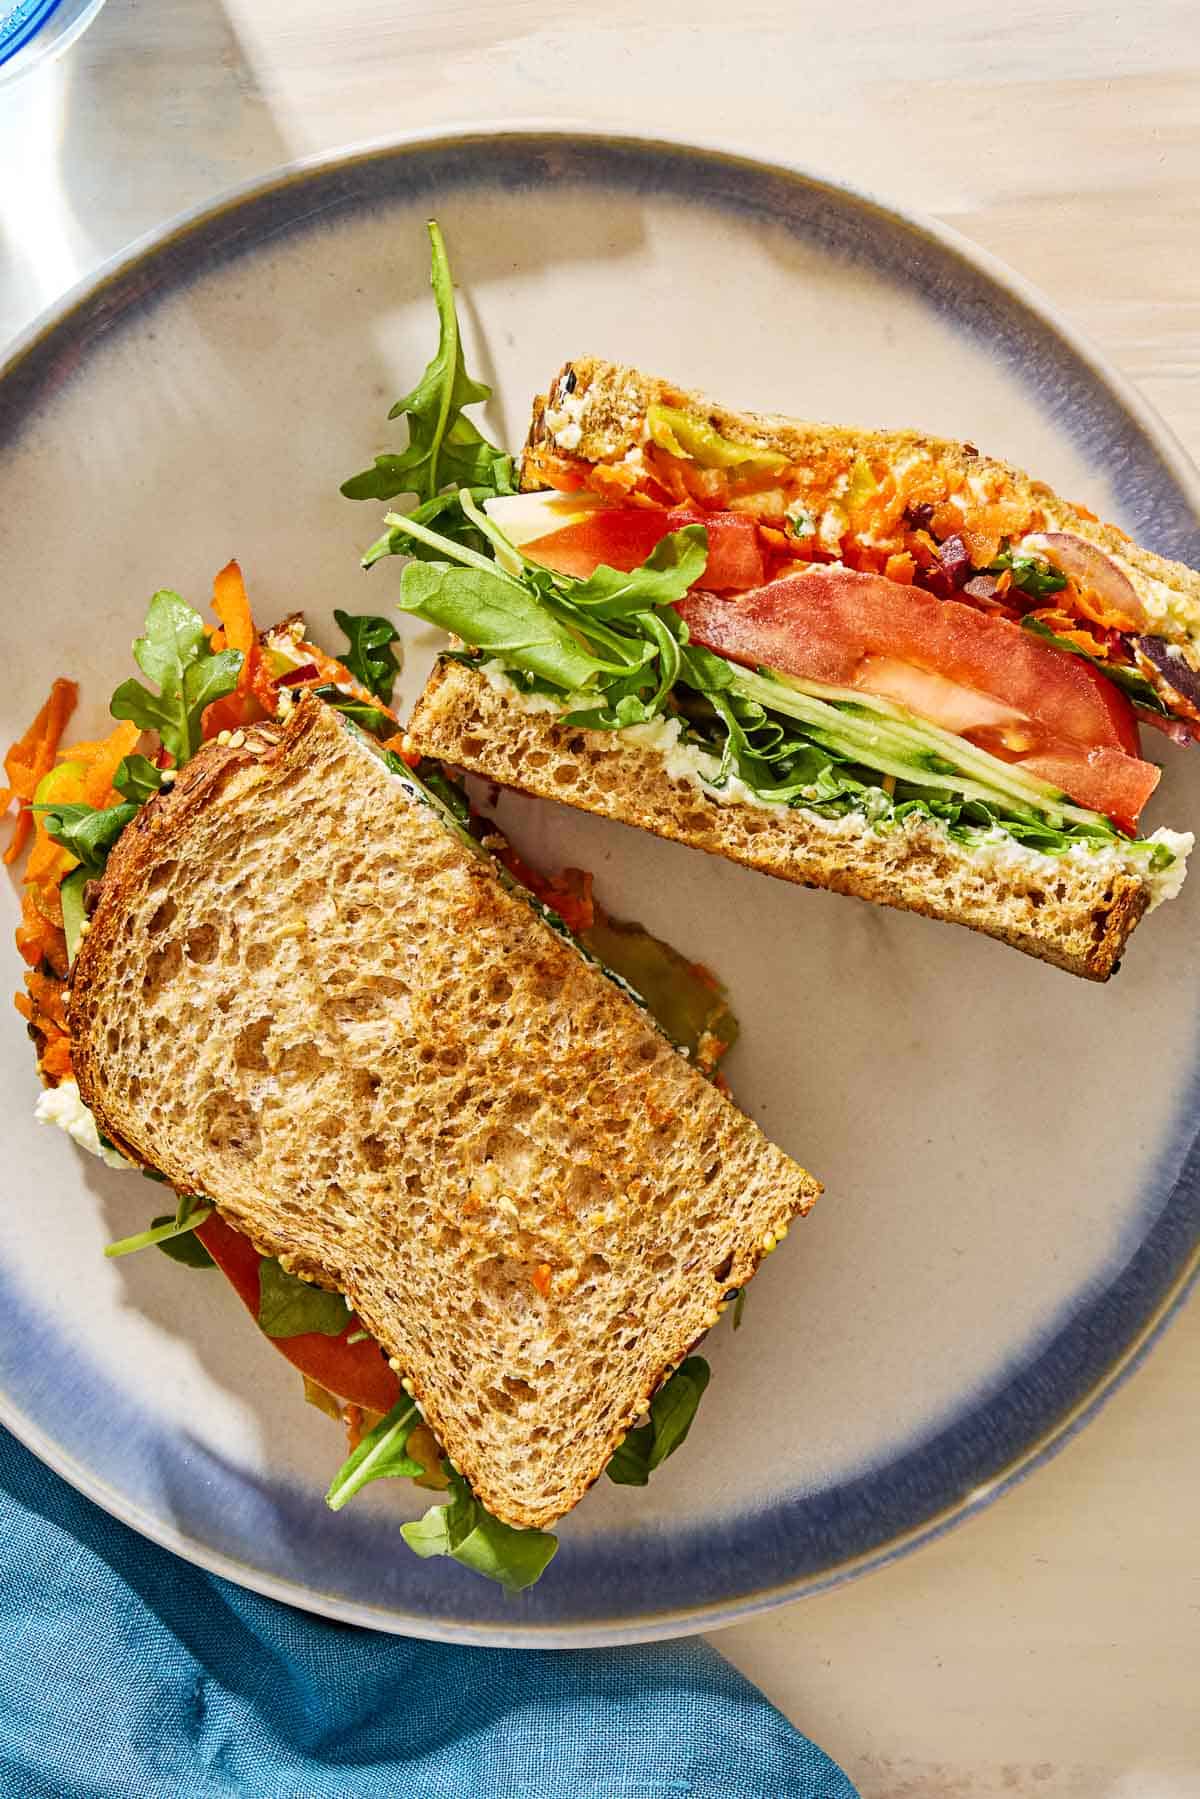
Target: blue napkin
[128, 1674]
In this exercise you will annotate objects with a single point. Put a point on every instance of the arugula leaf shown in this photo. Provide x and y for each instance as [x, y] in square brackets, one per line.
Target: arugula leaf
[380, 1455]
[184, 1246]
[671, 1412]
[464, 1530]
[496, 614]
[449, 792]
[175, 653]
[88, 833]
[192, 1210]
[675, 564]
[739, 1306]
[370, 718]
[138, 779]
[370, 657]
[1131, 680]
[443, 446]
[290, 1307]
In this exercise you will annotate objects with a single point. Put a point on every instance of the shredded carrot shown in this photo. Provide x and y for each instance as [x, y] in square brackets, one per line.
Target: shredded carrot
[56, 1060]
[330, 669]
[47, 994]
[232, 607]
[255, 696]
[569, 893]
[43, 1008]
[102, 761]
[396, 743]
[32, 756]
[40, 939]
[541, 1278]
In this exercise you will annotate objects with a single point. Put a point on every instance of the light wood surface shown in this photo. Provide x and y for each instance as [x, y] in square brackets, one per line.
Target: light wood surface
[1051, 1647]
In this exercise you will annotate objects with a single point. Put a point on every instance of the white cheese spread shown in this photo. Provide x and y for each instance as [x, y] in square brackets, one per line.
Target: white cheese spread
[998, 851]
[62, 1106]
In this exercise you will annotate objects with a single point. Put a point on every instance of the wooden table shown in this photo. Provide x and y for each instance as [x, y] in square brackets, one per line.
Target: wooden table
[1052, 1646]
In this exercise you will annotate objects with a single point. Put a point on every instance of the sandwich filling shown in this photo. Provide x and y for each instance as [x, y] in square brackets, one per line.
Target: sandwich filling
[956, 527]
[816, 690]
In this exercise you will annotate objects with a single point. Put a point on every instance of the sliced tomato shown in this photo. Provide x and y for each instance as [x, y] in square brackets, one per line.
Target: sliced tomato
[623, 536]
[1105, 780]
[354, 1371]
[971, 673]
[619, 536]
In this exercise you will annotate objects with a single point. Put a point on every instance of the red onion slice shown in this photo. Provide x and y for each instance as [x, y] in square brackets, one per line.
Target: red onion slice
[1076, 556]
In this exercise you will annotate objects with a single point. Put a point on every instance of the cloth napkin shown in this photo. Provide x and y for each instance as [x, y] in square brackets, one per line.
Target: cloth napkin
[126, 1673]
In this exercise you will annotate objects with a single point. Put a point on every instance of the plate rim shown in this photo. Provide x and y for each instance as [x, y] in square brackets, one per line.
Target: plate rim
[1047, 314]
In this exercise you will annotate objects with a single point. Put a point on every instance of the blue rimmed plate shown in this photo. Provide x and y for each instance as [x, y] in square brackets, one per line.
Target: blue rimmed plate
[1013, 1197]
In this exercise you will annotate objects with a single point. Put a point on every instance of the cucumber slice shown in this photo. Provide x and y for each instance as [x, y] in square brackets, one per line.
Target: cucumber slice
[61, 783]
[71, 894]
[881, 735]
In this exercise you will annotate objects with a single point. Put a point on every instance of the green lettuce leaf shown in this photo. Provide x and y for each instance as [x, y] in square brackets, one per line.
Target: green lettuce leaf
[290, 1307]
[192, 1210]
[89, 833]
[381, 1455]
[370, 657]
[499, 616]
[175, 653]
[1130, 680]
[444, 447]
[674, 565]
[464, 1530]
[1032, 574]
[671, 1413]
[183, 1245]
[137, 779]
[372, 719]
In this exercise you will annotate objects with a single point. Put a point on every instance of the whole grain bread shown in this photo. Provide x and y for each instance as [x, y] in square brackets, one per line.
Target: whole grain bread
[1065, 911]
[596, 411]
[304, 995]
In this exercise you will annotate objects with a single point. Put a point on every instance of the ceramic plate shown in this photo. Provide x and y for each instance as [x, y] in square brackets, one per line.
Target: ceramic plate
[1012, 1196]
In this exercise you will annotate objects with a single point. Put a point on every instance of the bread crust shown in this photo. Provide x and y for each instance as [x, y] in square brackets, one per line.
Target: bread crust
[303, 996]
[609, 402]
[460, 718]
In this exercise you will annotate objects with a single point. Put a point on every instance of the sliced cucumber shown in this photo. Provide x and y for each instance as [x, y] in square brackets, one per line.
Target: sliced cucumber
[881, 735]
[71, 894]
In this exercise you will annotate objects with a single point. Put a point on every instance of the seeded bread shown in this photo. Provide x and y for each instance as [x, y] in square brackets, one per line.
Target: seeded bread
[303, 995]
[1064, 911]
[596, 411]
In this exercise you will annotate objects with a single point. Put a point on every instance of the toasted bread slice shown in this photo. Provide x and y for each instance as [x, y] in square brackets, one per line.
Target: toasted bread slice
[307, 995]
[595, 413]
[1074, 912]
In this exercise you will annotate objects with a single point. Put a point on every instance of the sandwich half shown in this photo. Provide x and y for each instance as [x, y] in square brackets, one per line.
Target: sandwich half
[870, 661]
[306, 992]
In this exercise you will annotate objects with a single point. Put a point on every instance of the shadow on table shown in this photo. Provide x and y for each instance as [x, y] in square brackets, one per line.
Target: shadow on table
[160, 110]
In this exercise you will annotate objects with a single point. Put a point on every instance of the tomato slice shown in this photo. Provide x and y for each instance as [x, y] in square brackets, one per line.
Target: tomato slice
[1106, 780]
[623, 536]
[972, 673]
[354, 1371]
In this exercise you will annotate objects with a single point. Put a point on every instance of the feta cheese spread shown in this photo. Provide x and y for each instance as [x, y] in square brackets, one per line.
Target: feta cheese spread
[62, 1106]
[998, 851]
